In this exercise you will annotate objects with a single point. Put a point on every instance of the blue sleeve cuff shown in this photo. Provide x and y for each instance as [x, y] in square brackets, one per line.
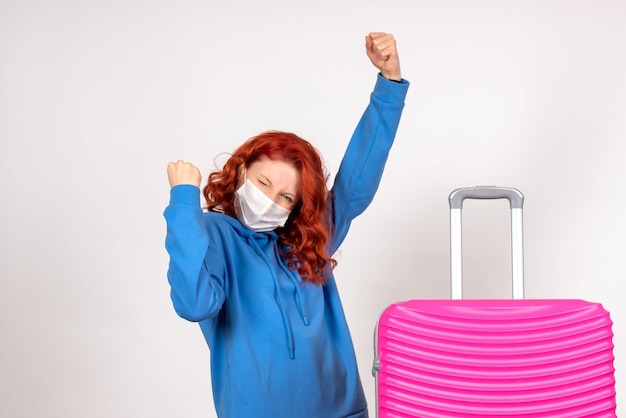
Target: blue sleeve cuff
[390, 91]
[185, 195]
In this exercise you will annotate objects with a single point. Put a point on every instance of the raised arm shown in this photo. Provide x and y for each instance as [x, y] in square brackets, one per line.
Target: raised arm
[196, 288]
[363, 163]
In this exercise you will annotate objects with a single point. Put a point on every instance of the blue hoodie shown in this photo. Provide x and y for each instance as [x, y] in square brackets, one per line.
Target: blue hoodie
[280, 346]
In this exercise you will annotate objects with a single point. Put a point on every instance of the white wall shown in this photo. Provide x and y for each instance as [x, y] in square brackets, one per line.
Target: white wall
[96, 97]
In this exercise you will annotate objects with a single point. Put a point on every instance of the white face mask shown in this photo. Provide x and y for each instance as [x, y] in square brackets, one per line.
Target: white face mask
[257, 211]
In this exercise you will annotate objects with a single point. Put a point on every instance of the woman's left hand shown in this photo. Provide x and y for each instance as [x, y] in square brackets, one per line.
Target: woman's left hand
[381, 50]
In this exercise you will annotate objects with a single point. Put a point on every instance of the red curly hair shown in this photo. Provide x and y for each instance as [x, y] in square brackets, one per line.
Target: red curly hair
[307, 231]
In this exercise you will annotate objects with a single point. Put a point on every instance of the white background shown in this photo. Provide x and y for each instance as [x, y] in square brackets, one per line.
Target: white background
[97, 96]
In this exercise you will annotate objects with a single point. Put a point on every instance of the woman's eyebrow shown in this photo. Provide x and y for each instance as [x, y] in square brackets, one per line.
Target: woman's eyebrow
[269, 182]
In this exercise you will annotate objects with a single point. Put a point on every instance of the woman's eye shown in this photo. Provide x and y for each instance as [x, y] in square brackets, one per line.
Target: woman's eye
[288, 198]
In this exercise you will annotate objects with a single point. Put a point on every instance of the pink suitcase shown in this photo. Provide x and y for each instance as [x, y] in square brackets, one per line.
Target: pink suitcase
[490, 357]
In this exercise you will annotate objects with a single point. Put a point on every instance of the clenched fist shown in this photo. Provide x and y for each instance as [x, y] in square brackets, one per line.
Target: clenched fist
[181, 172]
[383, 53]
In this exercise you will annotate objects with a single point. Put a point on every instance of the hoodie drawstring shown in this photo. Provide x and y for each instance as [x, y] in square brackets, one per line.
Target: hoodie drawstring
[298, 300]
[296, 292]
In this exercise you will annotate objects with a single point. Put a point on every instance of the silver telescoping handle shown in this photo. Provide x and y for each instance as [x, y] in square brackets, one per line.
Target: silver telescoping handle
[516, 201]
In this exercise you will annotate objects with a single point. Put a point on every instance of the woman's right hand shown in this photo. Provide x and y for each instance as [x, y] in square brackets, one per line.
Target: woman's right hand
[181, 172]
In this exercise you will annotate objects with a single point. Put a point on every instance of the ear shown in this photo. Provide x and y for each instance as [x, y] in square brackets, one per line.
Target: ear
[241, 175]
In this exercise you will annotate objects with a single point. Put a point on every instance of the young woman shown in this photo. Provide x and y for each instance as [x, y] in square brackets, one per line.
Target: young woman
[256, 269]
